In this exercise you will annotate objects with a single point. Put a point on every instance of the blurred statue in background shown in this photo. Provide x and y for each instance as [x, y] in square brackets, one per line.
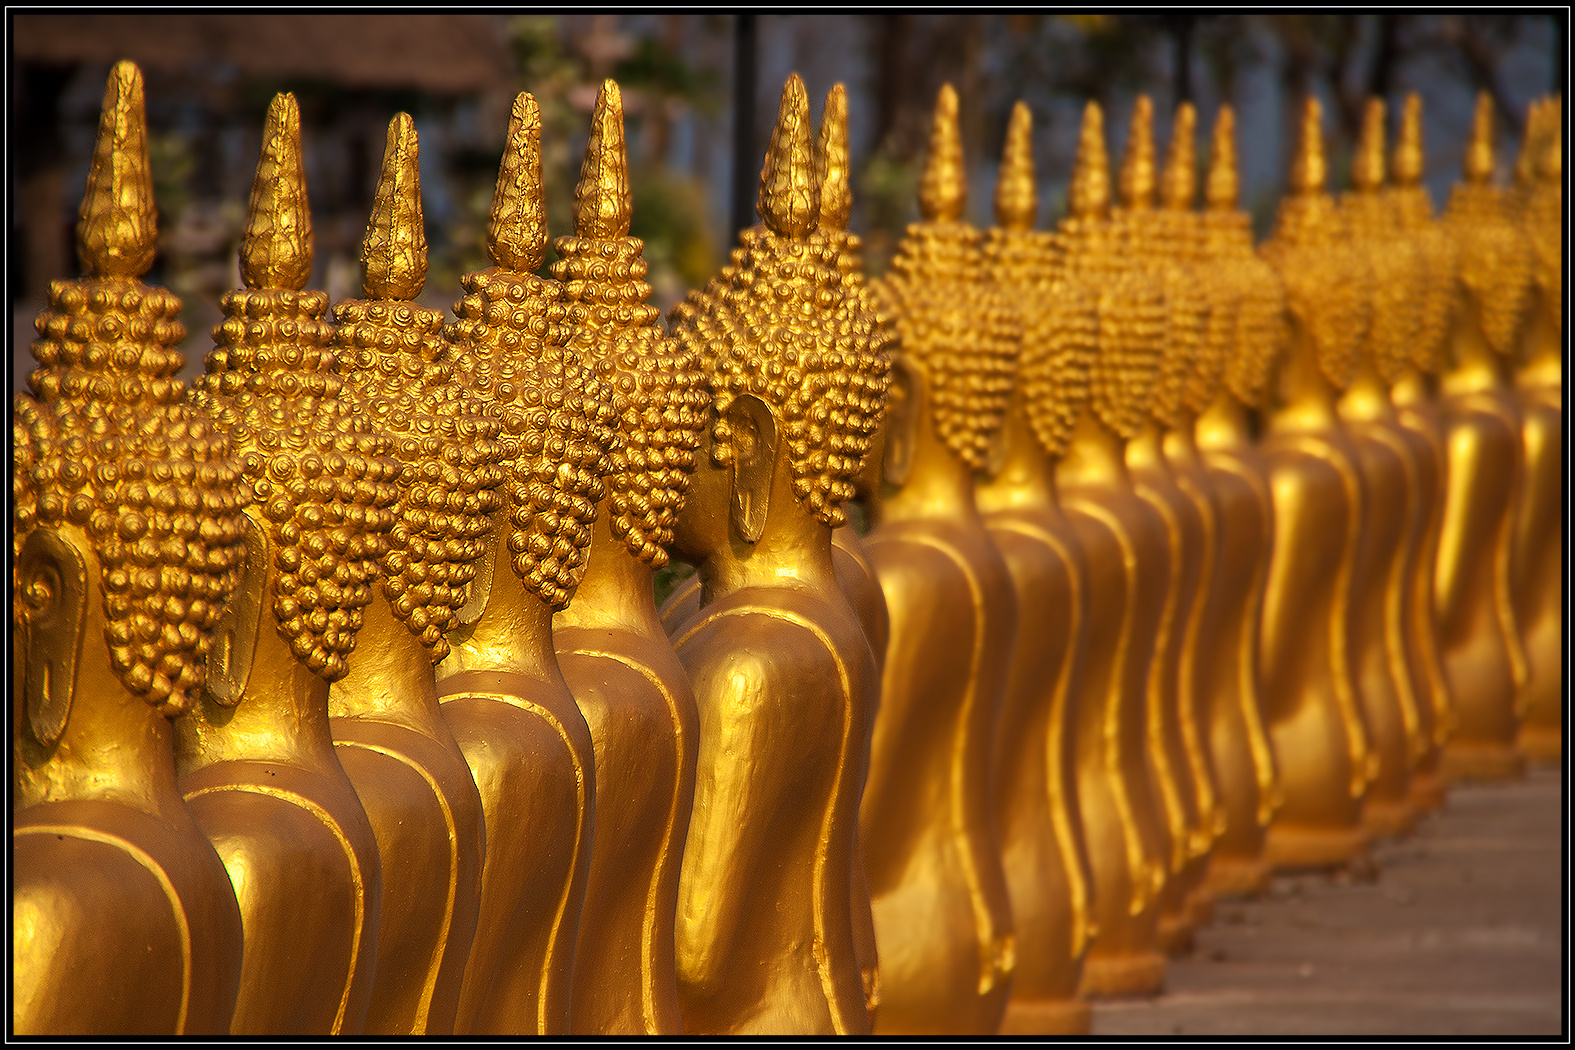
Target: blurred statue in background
[1482, 649]
[126, 542]
[1037, 817]
[782, 674]
[942, 908]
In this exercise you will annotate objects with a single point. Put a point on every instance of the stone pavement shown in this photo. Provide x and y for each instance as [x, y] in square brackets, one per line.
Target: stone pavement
[1461, 933]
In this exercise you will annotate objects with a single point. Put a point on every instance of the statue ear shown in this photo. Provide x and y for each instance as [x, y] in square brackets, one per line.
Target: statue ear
[754, 459]
[234, 644]
[54, 584]
[479, 589]
[903, 404]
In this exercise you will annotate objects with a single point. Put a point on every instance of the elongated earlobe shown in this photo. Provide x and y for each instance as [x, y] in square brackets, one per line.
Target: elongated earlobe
[754, 459]
[234, 645]
[902, 421]
[54, 596]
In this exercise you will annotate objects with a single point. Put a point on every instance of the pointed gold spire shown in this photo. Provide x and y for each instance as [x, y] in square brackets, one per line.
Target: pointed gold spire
[117, 225]
[1367, 167]
[1016, 192]
[1137, 164]
[1178, 185]
[1089, 197]
[1406, 167]
[276, 249]
[517, 227]
[1310, 168]
[1223, 187]
[1550, 158]
[1530, 142]
[943, 188]
[601, 200]
[789, 201]
[831, 161]
[1478, 163]
[394, 250]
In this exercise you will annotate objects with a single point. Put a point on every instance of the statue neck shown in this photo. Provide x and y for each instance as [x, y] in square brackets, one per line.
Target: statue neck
[1366, 400]
[282, 715]
[1307, 399]
[1473, 366]
[1146, 451]
[1544, 353]
[939, 485]
[1097, 456]
[115, 747]
[617, 590]
[793, 551]
[390, 675]
[1024, 475]
[1414, 387]
[1223, 426]
[513, 632]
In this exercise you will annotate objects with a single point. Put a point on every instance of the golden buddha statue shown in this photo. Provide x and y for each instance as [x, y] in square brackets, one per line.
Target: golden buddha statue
[1248, 303]
[389, 732]
[1482, 649]
[126, 542]
[1036, 808]
[1412, 391]
[1309, 686]
[615, 657]
[854, 573]
[1146, 236]
[943, 919]
[1127, 552]
[1539, 382]
[500, 687]
[1394, 517]
[776, 653]
[258, 764]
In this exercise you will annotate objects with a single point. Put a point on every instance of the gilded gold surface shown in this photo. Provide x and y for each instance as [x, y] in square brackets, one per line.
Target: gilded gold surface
[777, 657]
[1313, 709]
[615, 657]
[942, 908]
[1124, 544]
[1248, 305]
[1036, 812]
[1481, 646]
[501, 690]
[126, 542]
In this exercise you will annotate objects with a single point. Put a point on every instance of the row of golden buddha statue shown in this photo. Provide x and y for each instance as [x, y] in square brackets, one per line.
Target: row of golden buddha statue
[1190, 562]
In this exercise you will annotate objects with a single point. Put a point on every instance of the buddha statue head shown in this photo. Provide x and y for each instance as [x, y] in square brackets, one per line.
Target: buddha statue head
[399, 374]
[1326, 290]
[652, 382]
[1126, 309]
[126, 525]
[1493, 260]
[959, 338]
[315, 482]
[1250, 289]
[1542, 211]
[788, 362]
[1207, 306]
[1435, 251]
[554, 414]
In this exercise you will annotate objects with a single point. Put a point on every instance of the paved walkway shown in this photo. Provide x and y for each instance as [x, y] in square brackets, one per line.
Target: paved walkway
[1461, 933]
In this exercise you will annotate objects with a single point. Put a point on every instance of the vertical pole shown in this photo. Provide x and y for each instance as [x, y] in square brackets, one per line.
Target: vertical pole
[746, 161]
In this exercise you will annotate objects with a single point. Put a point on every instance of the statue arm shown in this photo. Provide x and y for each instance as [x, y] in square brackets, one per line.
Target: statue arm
[1457, 536]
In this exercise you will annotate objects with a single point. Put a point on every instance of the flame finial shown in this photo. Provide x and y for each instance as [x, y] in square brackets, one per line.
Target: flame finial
[831, 160]
[789, 200]
[1016, 192]
[1407, 164]
[117, 224]
[1310, 167]
[1179, 183]
[1478, 163]
[1550, 159]
[1223, 187]
[601, 200]
[517, 227]
[276, 250]
[1089, 196]
[943, 188]
[394, 250]
[1367, 168]
[1137, 163]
